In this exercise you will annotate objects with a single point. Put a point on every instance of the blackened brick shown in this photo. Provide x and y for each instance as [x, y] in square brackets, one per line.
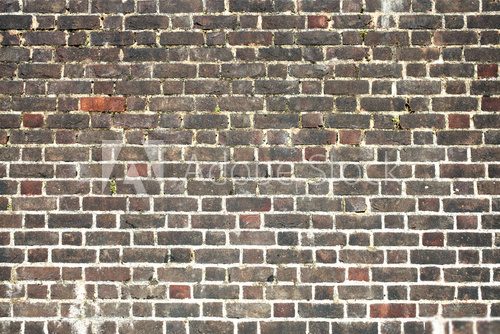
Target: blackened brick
[8, 22]
[78, 22]
[454, 6]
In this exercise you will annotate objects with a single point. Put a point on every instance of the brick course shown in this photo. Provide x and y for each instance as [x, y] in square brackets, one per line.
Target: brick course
[249, 166]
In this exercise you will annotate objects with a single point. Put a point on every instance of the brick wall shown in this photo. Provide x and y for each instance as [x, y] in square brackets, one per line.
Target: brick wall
[249, 166]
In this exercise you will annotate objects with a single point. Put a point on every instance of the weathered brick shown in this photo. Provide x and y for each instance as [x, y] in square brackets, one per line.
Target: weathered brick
[44, 6]
[292, 327]
[454, 6]
[104, 203]
[433, 256]
[146, 22]
[84, 22]
[73, 256]
[9, 22]
[181, 38]
[464, 310]
[420, 22]
[222, 327]
[360, 256]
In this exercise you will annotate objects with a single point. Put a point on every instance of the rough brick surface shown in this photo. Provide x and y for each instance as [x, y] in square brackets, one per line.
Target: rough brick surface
[249, 166]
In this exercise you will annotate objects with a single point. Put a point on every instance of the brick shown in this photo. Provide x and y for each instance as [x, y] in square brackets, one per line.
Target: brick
[318, 38]
[172, 310]
[386, 38]
[319, 6]
[69, 121]
[216, 292]
[9, 22]
[432, 256]
[249, 204]
[174, 71]
[181, 38]
[292, 327]
[321, 310]
[454, 6]
[487, 70]
[179, 291]
[455, 38]
[47, 71]
[103, 104]
[392, 310]
[209, 22]
[341, 87]
[420, 22]
[73, 256]
[380, 274]
[105, 274]
[143, 22]
[464, 310]
[250, 38]
[103, 203]
[466, 275]
[222, 327]
[317, 21]
[37, 273]
[35, 310]
[454, 104]
[83, 22]
[381, 70]
[418, 87]
[360, 256]
[45, 6]
[462, 205]
[322, 275]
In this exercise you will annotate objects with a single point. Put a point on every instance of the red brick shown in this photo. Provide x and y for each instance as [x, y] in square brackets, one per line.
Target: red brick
[284, 310]
[179, 291]
[31, 188]
[4, 137]
[393, 310]
[37, 291]
[350, 137]
[249, 221]
[315, 153]
[32, 120]
[253, 292]
[428, 204]
[490, 103]
[71, 273]
[317, 21]
[102, 104]
[466, 222]
[358, 274]
[487, 70]
[458, 121]
[433, 239]
[38, 273]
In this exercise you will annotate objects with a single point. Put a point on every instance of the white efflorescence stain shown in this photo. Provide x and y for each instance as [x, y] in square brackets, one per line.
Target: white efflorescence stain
[389, 7]
[438, 326]
[76, 312]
